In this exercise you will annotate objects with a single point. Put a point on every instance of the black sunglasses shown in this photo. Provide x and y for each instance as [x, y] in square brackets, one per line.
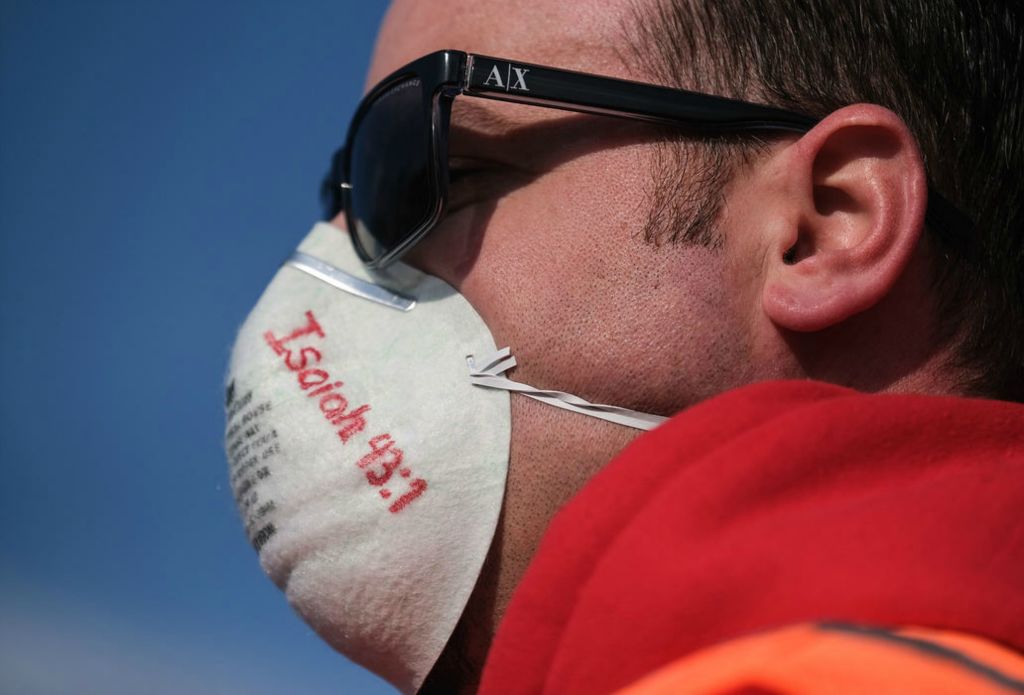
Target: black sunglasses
[391, 176]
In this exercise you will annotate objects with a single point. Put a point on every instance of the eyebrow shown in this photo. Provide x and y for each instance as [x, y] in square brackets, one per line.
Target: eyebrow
[477, 116]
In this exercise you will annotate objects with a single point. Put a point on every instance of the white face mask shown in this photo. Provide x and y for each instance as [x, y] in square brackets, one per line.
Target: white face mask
[368, 455]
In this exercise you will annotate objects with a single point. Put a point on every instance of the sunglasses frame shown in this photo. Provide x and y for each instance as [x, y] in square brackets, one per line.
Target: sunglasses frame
[446, 74]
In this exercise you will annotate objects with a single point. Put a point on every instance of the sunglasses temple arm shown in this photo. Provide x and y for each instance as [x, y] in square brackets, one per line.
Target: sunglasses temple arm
[494, 78]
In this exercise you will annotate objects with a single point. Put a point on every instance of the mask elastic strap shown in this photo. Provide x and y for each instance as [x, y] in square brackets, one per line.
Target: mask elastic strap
[487, 372]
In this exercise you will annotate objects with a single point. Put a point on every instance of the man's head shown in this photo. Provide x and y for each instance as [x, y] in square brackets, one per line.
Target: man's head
[651, 269]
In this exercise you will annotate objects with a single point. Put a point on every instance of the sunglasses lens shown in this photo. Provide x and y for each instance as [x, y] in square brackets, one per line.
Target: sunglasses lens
[389, 170]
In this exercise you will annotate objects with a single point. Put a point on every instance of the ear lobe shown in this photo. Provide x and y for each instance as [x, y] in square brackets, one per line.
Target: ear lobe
[857, 197]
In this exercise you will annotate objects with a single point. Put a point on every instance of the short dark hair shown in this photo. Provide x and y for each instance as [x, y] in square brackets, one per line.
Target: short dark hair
[951, 69]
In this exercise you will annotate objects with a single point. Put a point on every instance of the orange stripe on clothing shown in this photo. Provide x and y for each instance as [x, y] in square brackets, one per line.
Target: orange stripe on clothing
[842, 659]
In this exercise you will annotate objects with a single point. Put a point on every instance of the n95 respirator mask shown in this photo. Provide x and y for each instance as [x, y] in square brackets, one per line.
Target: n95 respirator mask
[368, 428]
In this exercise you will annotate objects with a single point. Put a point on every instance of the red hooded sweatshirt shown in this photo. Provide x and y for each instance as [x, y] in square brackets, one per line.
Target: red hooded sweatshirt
[775, 504]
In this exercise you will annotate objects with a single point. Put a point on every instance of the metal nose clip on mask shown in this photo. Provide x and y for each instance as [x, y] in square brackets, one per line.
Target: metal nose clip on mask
[368, 444]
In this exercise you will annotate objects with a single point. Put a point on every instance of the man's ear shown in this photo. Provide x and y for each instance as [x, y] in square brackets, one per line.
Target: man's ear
[855, 204]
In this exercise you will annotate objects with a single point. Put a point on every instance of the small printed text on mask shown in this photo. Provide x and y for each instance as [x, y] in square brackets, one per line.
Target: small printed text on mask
[252, 447]
[384, 458]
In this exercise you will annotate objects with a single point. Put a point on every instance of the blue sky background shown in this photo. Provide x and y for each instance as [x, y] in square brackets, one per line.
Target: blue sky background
[158, 160]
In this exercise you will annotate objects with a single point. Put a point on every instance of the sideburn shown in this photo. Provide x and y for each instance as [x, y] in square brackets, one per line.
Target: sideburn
[689, 174]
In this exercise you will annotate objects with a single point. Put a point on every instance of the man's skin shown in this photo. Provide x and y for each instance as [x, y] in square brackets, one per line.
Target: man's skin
[546, 243]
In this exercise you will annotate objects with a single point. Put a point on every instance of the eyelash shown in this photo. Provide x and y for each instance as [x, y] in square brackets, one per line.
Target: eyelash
[459, 174]
[459, 170]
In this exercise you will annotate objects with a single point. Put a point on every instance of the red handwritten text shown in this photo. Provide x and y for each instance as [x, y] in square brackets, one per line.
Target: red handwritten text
[384, 457]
